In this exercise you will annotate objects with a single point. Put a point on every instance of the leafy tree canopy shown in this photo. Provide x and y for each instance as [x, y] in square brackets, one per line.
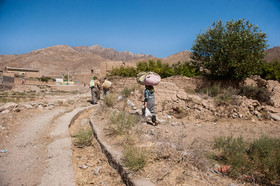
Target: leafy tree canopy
[231, 51]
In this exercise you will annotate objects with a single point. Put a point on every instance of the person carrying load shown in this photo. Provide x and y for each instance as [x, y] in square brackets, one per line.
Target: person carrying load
[149, 79]
[106, 86]
[95, 90]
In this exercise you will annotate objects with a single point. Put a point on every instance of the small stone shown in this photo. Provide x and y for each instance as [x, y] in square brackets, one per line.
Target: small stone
[166, 131]
[5, 111]
[40, 107]
[128, 102]
[120, 98]
[97, 170]
[83, 166]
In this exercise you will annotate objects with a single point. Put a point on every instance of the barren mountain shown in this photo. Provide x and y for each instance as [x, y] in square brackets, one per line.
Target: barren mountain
[273, 53]
[62, 58]
[54, 60]
[110, 53]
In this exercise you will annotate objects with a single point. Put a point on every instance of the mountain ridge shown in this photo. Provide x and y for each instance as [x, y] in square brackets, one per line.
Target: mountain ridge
[60, 58]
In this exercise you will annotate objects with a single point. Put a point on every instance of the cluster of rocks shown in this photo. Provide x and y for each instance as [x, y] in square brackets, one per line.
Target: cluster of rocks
[17, 107]
[47, 105]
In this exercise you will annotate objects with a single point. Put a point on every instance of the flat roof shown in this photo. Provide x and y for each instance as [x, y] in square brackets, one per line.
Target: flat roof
[22, 69]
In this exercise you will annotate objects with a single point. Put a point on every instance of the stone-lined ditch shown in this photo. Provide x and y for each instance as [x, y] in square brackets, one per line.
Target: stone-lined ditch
[91, 166]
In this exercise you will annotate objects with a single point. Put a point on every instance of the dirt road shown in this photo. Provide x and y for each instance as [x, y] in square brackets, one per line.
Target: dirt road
[39, 150]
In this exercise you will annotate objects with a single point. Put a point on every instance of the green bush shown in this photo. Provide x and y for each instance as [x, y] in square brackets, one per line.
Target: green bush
[126, 91]
[212, 91]
[164, 70]
[46, 79]
[83, 137]
[265, 153]
[271, 71]
[259, 160]
[135, 158]
[110, 100]
[227, 96]
[261, 94]
[121, 122]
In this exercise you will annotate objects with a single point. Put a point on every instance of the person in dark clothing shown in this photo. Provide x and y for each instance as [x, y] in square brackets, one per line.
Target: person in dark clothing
[149, 102]
[95, 90]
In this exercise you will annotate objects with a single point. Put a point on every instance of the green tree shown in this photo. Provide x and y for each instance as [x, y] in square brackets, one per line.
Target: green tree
[271, 70]
[231, 51]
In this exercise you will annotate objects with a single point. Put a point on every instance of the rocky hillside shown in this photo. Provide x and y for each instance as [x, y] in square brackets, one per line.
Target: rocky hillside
[273, 53]
[110, 53]
[62, 58]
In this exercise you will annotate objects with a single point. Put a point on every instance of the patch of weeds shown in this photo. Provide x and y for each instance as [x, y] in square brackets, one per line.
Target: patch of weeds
[212, 90]
[265, 153]
[121, 122]
[258, 160]
[83, 137]
[126, 91]
[135, 158]
[227, 96]
[110, 100]
[261, 94]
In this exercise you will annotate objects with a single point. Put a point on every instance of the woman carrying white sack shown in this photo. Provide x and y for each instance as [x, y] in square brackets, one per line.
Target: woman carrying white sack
[149, 102]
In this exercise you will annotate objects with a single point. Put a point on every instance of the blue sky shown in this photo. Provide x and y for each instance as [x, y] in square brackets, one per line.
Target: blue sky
[158, 27]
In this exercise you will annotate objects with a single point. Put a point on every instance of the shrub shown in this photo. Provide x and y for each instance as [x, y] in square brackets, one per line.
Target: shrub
[84, 137]
[252, 92]
[126, 91]
[164, 70]
[233, 153]
[271, 70]
[265, 153]
[212, 90]
[259, 160]
[121, 122]
[227, 96]
[135, 158]
[110, 100]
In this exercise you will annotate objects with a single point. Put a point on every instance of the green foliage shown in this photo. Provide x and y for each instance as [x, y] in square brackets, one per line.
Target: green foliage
[271, 70]
[83, 137]
[233, 153]
[265, 152]
[121, 122]
[164, 70]
[231, 51]
[258, 159]
[110, 100]
[46, 79]
[135, 158]
[212, 91]
[261, 94]
[227, 96]
[127, 91]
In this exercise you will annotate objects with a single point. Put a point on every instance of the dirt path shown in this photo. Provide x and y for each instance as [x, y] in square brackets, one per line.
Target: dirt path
[26, 159]
[39, 151]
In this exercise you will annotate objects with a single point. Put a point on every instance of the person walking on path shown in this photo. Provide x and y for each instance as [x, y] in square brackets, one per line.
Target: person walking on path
[95, 90]
[149, 102]
[106, 86]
